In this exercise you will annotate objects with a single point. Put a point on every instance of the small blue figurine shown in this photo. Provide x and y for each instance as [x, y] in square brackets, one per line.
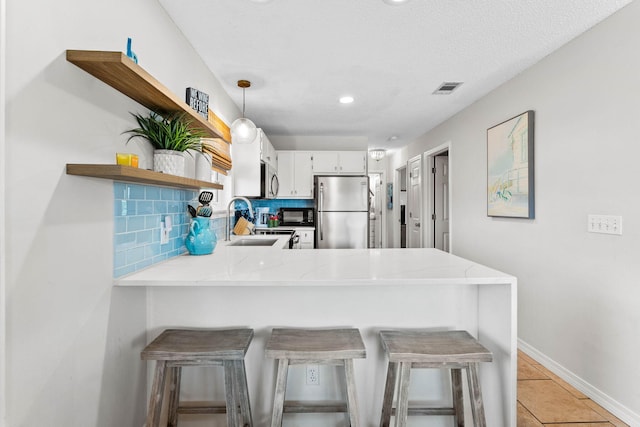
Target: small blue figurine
[130, 53]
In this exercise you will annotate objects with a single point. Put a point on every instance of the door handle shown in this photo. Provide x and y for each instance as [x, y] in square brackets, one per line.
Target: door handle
[417, 224]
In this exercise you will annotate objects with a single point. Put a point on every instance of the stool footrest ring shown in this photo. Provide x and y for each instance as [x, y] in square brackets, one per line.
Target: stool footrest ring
[210, 409]
[422, 410]
[311, 407]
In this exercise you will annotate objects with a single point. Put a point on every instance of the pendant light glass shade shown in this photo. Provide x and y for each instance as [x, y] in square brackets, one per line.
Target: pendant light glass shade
[377, 154]
[243, 130]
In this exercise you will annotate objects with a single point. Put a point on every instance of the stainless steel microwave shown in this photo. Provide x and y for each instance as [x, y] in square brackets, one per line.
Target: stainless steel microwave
[297, 216]
[269, 184]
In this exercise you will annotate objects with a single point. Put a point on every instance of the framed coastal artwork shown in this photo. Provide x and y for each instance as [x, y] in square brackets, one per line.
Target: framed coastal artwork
[510, 168]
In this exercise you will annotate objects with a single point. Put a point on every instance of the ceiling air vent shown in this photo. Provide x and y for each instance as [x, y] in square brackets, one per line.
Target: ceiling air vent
[446, 88]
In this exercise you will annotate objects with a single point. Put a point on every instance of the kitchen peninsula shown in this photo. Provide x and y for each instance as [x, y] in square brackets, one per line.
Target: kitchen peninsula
[371, 289]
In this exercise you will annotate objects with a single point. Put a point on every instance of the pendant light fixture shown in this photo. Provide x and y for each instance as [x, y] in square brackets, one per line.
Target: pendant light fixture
[377, 154]
[243, 130]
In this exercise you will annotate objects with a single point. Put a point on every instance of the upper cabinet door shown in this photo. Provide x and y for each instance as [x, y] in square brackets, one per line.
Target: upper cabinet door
[286, 174]
[294, 172]
[339, 162]
[267, 152]
[246, 168]
[325, 162]
[353, 162]
[303, 175]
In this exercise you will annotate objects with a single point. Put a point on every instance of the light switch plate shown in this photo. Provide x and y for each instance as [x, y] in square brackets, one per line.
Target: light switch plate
[605, 224]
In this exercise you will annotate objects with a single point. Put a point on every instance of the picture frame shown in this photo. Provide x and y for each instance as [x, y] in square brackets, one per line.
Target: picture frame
[510, 168]
[198, 100]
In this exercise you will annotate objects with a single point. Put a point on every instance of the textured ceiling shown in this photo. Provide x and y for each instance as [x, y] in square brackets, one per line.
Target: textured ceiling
[302, 55]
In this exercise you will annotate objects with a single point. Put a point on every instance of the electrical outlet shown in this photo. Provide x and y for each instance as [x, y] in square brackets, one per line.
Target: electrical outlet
[165, 228]
[164, 234]
[606, 224]
[313, 375]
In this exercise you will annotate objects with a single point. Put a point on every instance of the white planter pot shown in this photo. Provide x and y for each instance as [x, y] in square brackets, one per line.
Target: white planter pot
[190, 163]
[169, 162]
[203, 166]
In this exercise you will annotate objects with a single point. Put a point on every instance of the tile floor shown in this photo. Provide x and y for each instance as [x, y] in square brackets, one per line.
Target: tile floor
[546, 400]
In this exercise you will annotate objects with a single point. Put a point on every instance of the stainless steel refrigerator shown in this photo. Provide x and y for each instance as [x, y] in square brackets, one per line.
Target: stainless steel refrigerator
[342, 211]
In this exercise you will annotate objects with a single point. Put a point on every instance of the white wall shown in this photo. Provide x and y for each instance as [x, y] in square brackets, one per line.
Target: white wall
[73, 341]
[578, 292]
[3, 268]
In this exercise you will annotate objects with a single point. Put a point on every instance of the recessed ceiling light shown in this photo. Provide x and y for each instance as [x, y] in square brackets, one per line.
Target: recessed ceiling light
[395, 2]
[346, 99]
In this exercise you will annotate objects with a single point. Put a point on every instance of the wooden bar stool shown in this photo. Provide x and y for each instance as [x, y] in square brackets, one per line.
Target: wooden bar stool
[174, 349]
[314, 346]
[454, 350]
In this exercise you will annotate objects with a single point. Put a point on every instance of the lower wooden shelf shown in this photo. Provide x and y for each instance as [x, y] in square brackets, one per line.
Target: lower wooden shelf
[141, 176]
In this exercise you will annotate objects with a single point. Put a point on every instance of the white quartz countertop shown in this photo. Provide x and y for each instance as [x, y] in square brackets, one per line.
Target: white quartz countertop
[274, 266]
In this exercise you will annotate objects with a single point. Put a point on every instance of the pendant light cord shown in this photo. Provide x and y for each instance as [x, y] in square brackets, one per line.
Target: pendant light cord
[244, 84]
[243, 91]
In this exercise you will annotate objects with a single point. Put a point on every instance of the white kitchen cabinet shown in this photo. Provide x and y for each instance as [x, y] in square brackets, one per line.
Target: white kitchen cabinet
[267, 153]
[353, 162]
[295, 175]
[307, 238]
[325, 162]
[339, 162]
[246, 160]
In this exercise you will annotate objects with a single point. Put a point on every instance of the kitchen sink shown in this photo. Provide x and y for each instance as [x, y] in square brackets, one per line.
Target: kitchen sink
[253, 242]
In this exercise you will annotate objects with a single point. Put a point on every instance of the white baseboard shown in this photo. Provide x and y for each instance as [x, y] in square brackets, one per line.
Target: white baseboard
[616, 408]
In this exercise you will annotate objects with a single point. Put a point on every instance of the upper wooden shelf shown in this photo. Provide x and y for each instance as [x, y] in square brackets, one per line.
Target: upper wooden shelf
[142, 176]
[120, 72]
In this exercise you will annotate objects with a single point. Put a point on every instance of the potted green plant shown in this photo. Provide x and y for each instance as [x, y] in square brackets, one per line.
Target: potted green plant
[171, 136]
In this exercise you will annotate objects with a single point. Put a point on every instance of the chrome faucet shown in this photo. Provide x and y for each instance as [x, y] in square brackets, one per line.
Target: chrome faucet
[228, 227]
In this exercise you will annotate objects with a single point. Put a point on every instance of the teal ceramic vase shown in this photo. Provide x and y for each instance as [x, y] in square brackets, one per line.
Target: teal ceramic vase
[200, 240]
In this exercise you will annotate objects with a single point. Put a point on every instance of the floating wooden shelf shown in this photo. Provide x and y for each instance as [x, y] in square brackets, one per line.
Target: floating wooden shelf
[120, 72]
[141, 176]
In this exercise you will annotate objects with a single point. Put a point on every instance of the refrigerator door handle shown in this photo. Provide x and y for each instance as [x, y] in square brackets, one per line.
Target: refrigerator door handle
[320, 210]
